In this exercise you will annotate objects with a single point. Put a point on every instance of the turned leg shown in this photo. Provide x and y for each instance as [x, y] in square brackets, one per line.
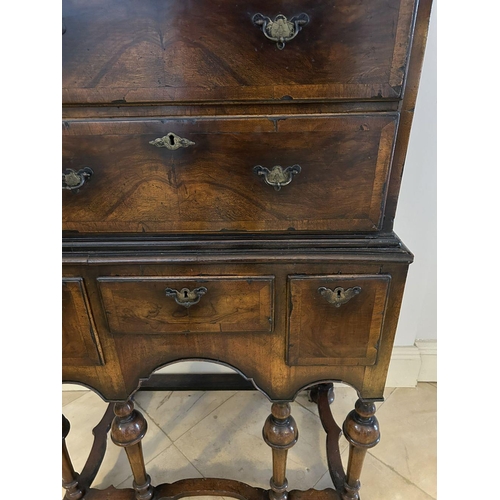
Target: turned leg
[127, 430]
[69, 476]
[280, 433]
[362, 431]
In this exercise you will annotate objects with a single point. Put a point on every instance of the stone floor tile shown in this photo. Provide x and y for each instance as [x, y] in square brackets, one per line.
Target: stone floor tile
[84, 414]
[379, 482]
[167, 467]
[408, 422]
[228, 443]
[176, 412]
[70, 396]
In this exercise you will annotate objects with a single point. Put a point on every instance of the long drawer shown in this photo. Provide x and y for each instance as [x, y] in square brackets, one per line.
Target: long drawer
[327, 173]
[124, 51]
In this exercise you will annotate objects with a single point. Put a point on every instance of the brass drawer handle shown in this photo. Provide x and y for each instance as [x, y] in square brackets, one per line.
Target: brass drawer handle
[186, 297]
[171, 141]
[339, 296]
[75, 180]
[281, 30]
[277, 176]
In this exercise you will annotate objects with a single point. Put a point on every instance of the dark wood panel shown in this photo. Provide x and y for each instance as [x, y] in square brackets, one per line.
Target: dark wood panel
[122, 51]
[211, 185]
[197, 382]
[80, 344]
[341, 330]
[279, 108]
[139, 305]
[239, 242]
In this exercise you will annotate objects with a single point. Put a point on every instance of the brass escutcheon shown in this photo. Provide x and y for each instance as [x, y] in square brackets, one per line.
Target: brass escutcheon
[281, 30]
[171, 141]
[339, 296]
[185, 297]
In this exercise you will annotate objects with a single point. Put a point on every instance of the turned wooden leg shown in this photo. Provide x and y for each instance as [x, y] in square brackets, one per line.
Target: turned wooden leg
[69, 476]
[362, 431]
[280, 433]
[127, 430]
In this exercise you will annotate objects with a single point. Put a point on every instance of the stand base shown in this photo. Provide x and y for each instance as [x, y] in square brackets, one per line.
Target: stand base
[211, 487]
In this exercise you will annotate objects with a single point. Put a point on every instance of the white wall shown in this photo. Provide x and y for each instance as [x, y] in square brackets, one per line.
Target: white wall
[415, 221]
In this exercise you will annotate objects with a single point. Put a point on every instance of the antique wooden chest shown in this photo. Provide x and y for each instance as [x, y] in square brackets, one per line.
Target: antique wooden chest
[230, 179]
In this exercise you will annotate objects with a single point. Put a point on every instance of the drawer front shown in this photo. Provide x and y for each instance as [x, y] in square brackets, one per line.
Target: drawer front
[162, 305]
[210, 183]
[80, 345]
[336, 320]
[124, 51]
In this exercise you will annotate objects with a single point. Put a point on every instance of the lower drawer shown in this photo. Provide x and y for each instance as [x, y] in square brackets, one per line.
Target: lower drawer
[336, 320]
[162, 305]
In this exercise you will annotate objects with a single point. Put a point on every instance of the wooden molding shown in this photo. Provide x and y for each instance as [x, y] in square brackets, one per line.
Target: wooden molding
[409, 365]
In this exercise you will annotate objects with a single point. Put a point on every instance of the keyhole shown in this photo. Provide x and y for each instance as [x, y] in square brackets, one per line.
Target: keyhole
[171, 139]
[339, 293]
[185, 294]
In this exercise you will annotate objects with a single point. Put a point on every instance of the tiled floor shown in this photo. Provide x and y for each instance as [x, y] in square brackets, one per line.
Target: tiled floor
[219, 434]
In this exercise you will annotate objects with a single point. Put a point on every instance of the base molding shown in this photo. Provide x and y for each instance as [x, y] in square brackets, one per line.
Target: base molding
[412, 364]
[409, 365]
[428, 355]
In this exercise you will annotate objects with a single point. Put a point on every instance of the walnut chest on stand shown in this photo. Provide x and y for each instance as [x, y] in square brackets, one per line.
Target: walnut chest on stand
[230, 179]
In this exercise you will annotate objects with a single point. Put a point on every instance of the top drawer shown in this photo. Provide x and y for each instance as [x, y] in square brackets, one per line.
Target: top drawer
[124, 51]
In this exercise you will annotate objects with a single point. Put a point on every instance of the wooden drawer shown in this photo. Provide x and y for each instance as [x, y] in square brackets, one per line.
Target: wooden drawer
[80, 345]
[124, 51]
[162, 305]
[336, 320]
[211, 184]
